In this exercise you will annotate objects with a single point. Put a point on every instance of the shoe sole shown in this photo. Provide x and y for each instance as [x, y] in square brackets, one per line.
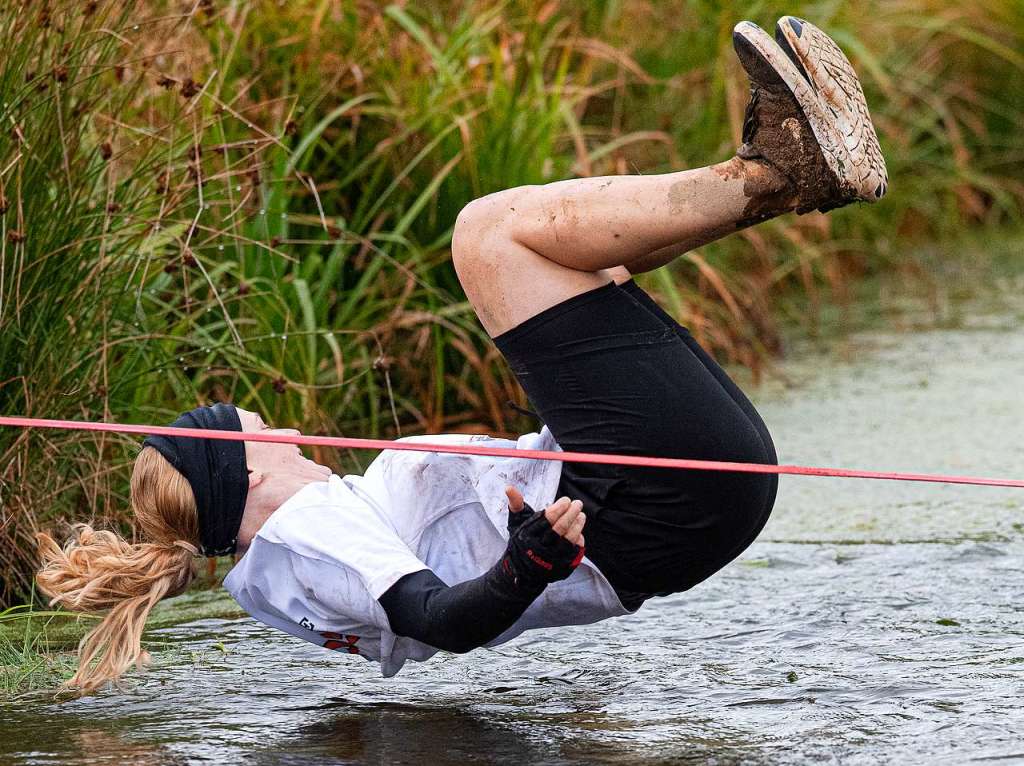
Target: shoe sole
[821, 61]
[758, 52]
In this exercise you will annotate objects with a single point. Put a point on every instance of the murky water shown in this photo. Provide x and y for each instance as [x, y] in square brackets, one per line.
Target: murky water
[871, 622]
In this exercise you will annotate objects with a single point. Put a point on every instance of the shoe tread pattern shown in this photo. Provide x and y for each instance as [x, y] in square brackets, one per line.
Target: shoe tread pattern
[840, 92]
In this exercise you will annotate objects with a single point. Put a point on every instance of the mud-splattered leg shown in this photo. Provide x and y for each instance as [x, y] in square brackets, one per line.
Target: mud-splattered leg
[770, 197]
[524, 249]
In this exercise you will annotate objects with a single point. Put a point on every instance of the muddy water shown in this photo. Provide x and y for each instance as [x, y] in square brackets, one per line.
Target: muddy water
[871, 622]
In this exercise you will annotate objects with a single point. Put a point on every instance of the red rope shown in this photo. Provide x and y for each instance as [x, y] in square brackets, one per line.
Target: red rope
[472, 449]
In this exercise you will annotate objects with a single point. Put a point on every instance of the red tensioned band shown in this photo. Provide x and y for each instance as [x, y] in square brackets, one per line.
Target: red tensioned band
[472, 449]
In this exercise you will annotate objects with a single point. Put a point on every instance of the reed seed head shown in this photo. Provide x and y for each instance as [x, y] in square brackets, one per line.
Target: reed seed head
[190, 88]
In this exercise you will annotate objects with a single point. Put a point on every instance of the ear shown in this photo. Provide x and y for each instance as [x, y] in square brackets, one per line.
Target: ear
[255, 478]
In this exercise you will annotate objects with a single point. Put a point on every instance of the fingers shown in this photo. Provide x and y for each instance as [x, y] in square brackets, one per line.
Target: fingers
[515, 499]
[556, 510]
[567, 519]
[575, 533]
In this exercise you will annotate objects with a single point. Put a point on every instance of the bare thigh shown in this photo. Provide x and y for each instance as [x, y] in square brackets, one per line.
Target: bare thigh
[505, 281]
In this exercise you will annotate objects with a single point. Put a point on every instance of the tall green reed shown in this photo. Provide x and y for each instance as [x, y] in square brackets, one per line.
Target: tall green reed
[93, 203]
[383, 174]
[67, 212]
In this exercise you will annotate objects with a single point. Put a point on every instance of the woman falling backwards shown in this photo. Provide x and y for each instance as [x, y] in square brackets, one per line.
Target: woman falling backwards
[432, 552]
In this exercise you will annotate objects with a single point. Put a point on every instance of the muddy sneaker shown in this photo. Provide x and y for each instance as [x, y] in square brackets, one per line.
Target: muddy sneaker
[831, 75]
[790, 126]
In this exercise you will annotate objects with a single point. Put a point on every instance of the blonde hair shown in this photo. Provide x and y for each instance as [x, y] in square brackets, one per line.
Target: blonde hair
[99, 571]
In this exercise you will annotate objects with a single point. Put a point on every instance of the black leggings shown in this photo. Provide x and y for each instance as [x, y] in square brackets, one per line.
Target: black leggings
[609, 371]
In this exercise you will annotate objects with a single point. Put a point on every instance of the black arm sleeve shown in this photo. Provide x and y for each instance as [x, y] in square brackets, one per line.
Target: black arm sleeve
[461, 617]
[471, 613]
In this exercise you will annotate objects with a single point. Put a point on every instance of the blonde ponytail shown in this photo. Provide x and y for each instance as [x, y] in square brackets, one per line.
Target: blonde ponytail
[99, 571]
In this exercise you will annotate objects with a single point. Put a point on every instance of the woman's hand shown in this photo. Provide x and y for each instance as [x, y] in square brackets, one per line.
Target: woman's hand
[543, 546]
[566, 517]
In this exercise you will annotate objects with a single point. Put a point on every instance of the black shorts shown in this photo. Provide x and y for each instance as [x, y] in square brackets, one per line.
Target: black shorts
[609, 371]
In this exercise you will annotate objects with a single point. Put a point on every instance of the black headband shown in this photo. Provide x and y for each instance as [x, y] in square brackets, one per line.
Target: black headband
[216, 471]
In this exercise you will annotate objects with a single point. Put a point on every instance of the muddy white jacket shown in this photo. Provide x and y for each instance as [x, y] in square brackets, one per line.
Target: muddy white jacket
[318, 565]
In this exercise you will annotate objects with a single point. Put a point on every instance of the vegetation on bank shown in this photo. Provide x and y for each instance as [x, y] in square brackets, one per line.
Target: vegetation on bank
[253, 201]
[37, 645]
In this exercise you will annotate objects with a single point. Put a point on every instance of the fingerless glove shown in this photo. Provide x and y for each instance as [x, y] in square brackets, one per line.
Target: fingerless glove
[536, 554]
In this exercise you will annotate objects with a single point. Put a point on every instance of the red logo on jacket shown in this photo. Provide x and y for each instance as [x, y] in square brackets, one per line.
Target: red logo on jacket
[338, 641]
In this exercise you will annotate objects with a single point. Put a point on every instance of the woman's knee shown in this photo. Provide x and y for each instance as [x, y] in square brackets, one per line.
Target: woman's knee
[505, 281]
[484, 219]
[476, 240]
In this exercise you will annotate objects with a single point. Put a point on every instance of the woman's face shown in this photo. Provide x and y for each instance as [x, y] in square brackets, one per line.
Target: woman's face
[276, 472]
[276, 459]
